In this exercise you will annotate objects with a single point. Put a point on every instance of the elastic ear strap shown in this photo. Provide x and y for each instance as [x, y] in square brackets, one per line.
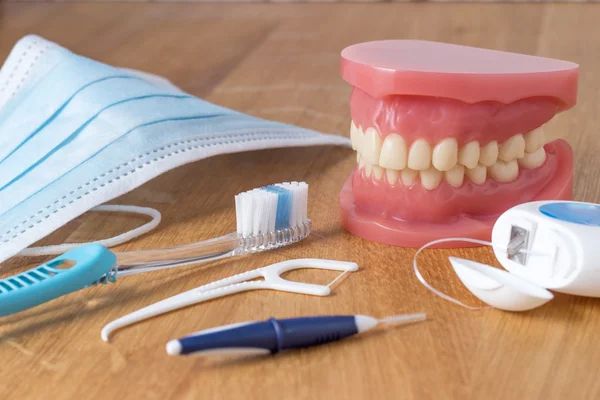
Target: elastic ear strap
[110, 242]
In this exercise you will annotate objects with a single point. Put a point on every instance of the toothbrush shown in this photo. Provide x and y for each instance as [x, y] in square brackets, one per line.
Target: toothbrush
[267, 218]
[273, 335]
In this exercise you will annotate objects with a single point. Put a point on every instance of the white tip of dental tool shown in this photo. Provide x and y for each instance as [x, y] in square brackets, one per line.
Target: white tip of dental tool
[174, 347]
[499, 288]
[365, 323]
[110, 328]
[150, 311]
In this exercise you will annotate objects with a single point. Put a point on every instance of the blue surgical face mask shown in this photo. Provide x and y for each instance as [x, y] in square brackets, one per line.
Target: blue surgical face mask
[75, 133]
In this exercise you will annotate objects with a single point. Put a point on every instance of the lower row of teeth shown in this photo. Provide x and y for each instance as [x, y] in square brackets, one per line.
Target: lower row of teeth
[430, 178]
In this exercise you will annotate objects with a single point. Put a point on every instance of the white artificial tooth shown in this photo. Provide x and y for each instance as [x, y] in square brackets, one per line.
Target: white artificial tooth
[431, 178]
[392, 176]
[361, 162]
[355, 136]
[504, 171]
[371, 143]
[408, 176]
[456, 175]
[468, 155]
[477, 175]
[377, 172]
[393, 152]
[533, 160]
[357, 157]
[445, 154]
[368, 170]
[534, 140]
[512, 149]
[419, 155]
[488, 154]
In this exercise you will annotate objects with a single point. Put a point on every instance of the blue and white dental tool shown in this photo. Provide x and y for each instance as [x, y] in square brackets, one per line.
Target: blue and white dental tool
[239, 283]
[543, 245]
[275, 335]
[267, 218]
[76, 133]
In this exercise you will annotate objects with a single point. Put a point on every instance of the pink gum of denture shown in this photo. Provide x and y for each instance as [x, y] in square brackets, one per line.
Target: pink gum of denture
[436, 90]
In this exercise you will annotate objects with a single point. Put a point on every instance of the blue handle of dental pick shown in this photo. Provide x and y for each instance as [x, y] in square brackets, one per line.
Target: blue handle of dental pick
[271, 336]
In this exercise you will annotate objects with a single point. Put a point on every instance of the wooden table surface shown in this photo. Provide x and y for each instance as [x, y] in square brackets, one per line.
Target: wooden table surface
[281, 62]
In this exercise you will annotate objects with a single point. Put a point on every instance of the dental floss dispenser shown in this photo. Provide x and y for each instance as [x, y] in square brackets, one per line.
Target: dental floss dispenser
[542, 245]
[561, 240]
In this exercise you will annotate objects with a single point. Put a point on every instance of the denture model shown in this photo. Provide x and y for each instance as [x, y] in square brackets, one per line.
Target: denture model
[449, 137]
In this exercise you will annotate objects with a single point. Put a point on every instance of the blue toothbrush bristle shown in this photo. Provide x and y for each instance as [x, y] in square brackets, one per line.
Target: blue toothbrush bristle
[284, 206]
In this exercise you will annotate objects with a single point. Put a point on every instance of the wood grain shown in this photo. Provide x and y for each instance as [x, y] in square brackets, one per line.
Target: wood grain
[281, 62]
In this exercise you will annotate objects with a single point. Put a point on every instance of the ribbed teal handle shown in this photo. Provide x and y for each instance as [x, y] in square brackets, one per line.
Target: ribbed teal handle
[47, 282]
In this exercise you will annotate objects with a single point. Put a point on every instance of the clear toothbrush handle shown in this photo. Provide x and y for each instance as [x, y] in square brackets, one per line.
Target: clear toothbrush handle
[233, 244]
[134, 262]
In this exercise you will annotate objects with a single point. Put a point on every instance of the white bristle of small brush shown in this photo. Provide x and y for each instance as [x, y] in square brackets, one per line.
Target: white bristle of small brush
[259, 209]
[240, 204]
[298, 213]
[256, 210]
[272, 207]
[300, 206]
[303, 206]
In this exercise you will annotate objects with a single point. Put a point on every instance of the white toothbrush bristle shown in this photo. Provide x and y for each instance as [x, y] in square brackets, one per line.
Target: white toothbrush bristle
[271, 208]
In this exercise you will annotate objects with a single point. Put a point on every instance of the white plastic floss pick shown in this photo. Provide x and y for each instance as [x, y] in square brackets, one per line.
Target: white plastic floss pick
[239, 283]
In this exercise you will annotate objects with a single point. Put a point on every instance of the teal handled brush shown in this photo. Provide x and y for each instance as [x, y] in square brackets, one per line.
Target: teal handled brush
[267, 218]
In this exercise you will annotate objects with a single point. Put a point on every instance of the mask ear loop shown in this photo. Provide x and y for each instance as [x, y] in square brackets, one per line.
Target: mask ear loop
[110, 242]
[447, 240]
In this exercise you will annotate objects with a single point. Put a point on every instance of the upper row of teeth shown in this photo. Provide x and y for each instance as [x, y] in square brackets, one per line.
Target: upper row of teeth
[393, 152]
